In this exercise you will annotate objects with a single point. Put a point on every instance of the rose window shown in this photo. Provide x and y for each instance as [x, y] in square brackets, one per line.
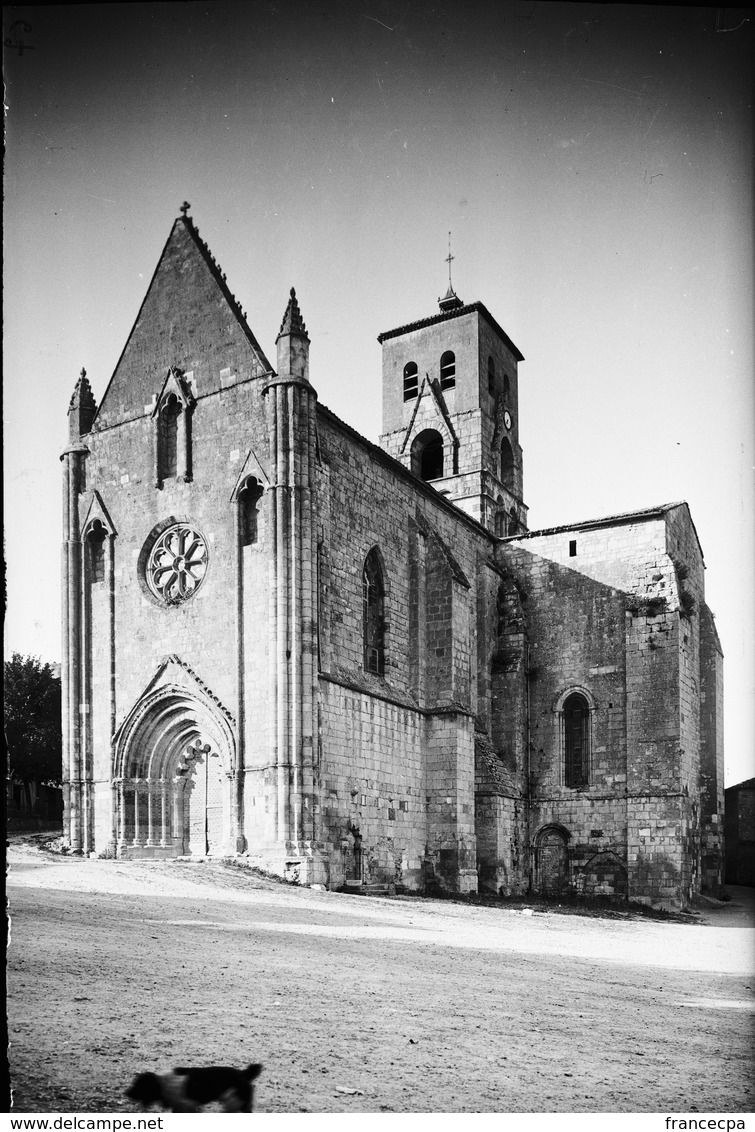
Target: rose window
[177, 564]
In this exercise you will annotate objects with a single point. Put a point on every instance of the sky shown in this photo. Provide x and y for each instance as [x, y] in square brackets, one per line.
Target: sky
[593, 164]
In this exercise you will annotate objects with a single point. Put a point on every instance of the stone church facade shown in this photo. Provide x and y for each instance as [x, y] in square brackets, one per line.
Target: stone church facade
[355, 664]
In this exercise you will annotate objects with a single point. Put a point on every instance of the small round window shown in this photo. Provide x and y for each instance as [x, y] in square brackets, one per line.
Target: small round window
[177, 564]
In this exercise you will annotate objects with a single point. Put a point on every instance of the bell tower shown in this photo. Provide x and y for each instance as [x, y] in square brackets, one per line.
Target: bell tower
[451, 409]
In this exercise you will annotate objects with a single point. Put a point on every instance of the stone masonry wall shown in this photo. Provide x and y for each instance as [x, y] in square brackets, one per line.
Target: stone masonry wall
[364, 502]
[228, 435]
[430, 640]
[711, 756]
[576, 639]
[97, 696]
[451, 852]
[684, 550]
[657, 821]
[501, 824]
[632, 633]
[439, 638]
[501, 806]
[509, 668]
[372, 776]
[505, 366]
[502, 844]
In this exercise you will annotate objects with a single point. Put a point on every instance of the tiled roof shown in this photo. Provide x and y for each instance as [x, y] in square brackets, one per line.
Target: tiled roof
[219, 275]
[445, 316]
[607, 521]
[398, 468]
[748, 784]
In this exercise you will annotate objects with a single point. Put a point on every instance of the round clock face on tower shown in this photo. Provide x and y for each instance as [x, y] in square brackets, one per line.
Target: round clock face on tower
[507, 419]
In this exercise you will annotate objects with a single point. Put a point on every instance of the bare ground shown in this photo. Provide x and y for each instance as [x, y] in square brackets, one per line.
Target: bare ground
[366, 1005]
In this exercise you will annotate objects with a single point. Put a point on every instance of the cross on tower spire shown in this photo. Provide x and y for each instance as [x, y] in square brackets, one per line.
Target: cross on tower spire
[450, 300]
[449, 258]
[184, 208]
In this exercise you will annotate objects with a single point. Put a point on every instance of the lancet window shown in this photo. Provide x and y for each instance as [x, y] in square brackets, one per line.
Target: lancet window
[576, 719]
[172, 418]
[96, 547]
[373, 593]
[248, 503]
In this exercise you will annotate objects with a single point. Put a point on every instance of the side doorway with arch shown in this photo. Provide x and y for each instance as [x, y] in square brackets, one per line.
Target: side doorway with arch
[552, 861]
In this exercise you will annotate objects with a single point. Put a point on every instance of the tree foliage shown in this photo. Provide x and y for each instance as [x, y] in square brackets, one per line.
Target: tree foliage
[32, 719]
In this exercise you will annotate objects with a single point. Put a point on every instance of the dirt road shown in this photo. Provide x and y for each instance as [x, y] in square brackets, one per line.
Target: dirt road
[366, 1005]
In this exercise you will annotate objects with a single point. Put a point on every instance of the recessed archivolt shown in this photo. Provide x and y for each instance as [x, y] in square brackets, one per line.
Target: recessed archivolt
[152, 742]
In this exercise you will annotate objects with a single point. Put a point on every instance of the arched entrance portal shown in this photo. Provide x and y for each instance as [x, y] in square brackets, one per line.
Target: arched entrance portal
[174, 762]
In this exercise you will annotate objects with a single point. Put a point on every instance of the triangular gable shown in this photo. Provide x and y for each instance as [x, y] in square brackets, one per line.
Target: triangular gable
[94, 509]
[176, 690]
[415, 410]
[175, 382]
[250, 467]
[189, 320]
[438, 415]
[172, 672]
[440, 402]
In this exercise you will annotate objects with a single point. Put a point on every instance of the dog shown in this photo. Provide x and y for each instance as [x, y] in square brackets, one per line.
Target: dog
[189, 1090]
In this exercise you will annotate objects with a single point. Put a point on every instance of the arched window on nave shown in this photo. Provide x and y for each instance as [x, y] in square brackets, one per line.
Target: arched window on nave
[576, 719]
[373, 616]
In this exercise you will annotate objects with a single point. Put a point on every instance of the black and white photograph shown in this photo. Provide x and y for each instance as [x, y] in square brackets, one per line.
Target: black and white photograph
[379, 433]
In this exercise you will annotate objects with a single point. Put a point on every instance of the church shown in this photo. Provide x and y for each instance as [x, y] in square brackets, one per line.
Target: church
[355, 665]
